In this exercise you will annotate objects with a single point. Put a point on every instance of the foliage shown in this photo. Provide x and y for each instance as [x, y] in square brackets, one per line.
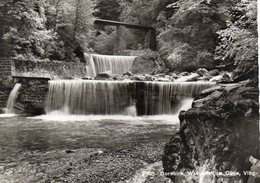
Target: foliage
[27, 34]
[52, 29]
[105, 43]
[138, 11]
[108, 9]
[238, 42]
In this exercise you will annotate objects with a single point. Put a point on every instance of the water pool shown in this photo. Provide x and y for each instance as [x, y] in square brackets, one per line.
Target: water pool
[80, 148]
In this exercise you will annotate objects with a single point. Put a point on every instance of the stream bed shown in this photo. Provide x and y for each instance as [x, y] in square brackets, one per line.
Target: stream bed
[84, 148]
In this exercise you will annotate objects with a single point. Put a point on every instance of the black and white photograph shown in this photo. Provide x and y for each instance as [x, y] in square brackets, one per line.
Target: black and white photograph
[129, 91]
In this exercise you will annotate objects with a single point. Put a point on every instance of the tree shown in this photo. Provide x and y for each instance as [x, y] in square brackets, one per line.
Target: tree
[108, 9]
[48, 29]
[28, 37]
[238, 42]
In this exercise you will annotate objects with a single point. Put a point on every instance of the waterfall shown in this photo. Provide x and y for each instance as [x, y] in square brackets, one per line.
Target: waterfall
[83, 97]
[171, 98]
[88, 97]
[102, 63]
[90, 66]
[12, 99]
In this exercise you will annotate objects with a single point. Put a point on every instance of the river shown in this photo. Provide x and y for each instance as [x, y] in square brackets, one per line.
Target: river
[83, 148]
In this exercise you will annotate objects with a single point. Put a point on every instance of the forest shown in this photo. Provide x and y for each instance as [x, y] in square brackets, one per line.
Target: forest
[64, 29]
[129, 91]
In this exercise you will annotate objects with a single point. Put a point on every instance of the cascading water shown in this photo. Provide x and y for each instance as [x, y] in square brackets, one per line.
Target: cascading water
[102, 63]
[171, 98]
[88, 97]
[12, 99]
[82, 97]
[90, 66]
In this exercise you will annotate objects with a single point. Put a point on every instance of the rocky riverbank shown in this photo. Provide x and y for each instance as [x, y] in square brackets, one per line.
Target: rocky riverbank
[88, 165]
[218, 134]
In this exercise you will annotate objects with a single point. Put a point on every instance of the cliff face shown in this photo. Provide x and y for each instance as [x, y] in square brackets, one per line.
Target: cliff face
[219, 133]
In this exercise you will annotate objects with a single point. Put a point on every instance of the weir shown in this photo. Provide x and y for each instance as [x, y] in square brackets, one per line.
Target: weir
[83, 97]
[115, 64]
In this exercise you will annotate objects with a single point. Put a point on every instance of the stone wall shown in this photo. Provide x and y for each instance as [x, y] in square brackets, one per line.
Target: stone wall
[50, 69]
[32, 95]
[5, 85]
[35, 81]
[5, 68]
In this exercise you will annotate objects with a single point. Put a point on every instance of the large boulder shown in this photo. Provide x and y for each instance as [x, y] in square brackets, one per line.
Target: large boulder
[218, 134]
[150, 63]
[107, 75]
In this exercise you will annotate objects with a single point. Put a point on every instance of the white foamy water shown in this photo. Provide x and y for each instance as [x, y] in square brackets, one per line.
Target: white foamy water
[7, 115]
[127, 117]
[102, 63]
[158, 119]
[81, 97]
[9, 110]
[12, 99]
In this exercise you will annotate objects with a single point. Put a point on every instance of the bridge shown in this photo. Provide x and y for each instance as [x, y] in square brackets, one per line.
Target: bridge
[150, 33]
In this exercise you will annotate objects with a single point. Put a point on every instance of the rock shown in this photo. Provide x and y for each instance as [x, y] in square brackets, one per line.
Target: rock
[214, 72]
[163, 80]
[220, 131]
[200, 102]
[160, 75]
[138, 78]
[203, 72]
[217, 79]
[246, 70]
[205, 78]
[150, 63]
[226, 78]
[69, 151]
[208, 91]
[173, 74]
[88, 78]
[117, 77]
[149, 78]
[104, 76]
[223, 78]
[128, 74]
[254, 170]
[191, 77]
[184, 74]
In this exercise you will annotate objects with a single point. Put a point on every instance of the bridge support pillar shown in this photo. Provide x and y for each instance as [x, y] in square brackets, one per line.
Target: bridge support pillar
[121, 42]
[150, 39]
